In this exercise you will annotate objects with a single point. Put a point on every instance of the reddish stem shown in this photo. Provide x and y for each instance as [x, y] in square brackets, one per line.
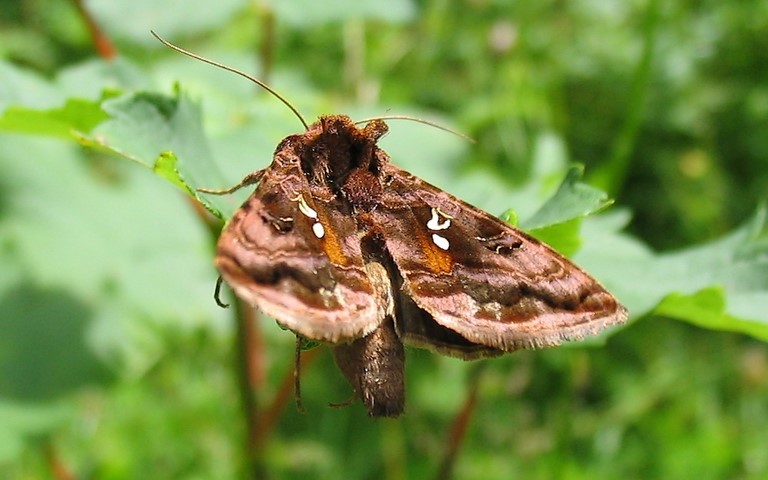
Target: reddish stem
[249, 366]
[459, 429]
[269, 416]
[267, 47]
[104, 46]
[250, 360]
[59, 471]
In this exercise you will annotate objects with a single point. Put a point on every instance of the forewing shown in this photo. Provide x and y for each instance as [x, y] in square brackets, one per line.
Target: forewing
[488, 282]
[290, 251]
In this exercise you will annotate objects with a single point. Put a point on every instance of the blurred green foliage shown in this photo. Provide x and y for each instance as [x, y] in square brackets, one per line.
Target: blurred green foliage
[116, 363]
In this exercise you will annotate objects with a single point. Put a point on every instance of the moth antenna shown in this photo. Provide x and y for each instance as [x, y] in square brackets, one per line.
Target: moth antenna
[419, 120]
[217, 293]
[297, 376]
[236, 71]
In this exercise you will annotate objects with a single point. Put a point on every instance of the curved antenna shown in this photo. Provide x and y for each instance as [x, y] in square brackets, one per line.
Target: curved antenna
[234, 70]
[418, 120]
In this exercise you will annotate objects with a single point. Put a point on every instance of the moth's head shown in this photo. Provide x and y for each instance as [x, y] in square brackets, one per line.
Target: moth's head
[334, 146]
[343, 127]
[336, 125]
[337, 154]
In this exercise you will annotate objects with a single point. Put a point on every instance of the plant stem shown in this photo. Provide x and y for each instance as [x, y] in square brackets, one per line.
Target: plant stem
[103, 44]
[613, 175]
[59, 471]
[249, 368]
[459, 428]
[267, 45]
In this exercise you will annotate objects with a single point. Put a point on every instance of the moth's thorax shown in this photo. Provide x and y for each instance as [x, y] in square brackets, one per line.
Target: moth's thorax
[338, 155]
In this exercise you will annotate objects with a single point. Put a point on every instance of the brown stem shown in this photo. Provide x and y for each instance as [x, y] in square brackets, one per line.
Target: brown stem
[59, 471]
[267, 47]
[269, 416]
[104, 46]
[297, 377]
[459, 428]
[249, 367]
[212, 223]
[249, 360]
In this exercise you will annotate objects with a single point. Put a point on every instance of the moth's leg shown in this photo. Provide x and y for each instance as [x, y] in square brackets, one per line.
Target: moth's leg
[250, 179]
[217, 293]
[297, 376]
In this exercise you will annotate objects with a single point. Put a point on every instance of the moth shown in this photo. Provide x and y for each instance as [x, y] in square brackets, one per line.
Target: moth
[341, 246]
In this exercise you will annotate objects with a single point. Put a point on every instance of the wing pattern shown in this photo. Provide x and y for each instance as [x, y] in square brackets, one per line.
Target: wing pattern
[475, 275]
[282, 251]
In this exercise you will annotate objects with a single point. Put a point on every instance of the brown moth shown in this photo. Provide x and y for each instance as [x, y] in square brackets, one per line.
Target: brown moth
[341, 246]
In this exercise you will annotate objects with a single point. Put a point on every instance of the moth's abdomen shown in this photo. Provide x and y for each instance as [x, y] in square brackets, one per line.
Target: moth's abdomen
[374, 366]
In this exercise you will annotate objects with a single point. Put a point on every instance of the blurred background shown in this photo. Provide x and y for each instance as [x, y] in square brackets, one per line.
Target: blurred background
[115, 362]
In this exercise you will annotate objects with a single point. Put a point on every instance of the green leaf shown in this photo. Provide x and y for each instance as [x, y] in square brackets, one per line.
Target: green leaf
[21, 421]
[125, 247]
[722, 285]
[558, 221]
[98, 79]
[563, 237]
[142, 127]
[708, 308]
[22, 87]
[43, 349]
[166, 167]
[198, 16]
[510, 217]
[75, 115]
[572, 200]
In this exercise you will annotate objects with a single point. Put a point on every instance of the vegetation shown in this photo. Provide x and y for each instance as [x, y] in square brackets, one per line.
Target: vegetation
[115, 362]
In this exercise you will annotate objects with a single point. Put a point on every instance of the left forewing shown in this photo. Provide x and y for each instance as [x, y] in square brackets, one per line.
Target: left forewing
[286, 251]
